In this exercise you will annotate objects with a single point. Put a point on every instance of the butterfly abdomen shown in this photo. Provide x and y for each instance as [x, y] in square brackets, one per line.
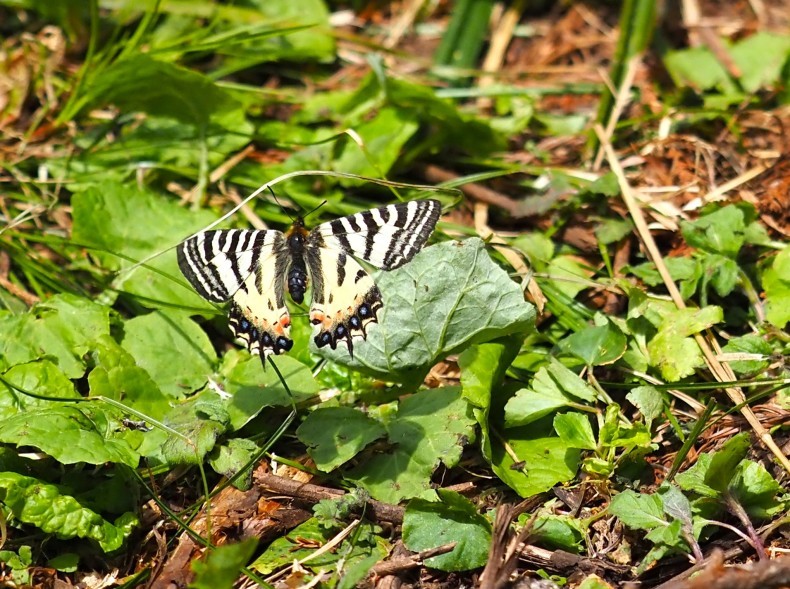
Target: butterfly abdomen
[297, 273]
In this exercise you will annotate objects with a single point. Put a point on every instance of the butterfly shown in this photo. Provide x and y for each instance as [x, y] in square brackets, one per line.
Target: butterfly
[253, 268]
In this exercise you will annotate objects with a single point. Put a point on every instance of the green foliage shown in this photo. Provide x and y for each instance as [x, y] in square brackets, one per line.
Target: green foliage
[120, 362]
[450, 296]
[220, 568]
[428, 428]
[34, 502]
[429, 524]
[760, 58]
[302, 541]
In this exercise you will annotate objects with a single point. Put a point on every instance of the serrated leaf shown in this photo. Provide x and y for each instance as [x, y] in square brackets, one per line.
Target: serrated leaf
[450, 296]
[301, 543]
[575, 431]
[671, 350]
[334, 435]
[430, 427]
[759, 493]
[172, 349]
[719, 232]
[34, 502]
[638, 510]
[82, 435]
[753, 345]
[59, 329]
[558, 531]
[118, 220]
[222, 566]
[428, 524]
[722, 466]
[676, 505]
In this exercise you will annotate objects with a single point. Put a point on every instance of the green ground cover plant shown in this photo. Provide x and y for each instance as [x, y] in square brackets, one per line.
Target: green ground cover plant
[582, 379]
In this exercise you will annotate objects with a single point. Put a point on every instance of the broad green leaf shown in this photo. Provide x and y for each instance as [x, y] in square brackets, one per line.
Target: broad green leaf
[41, 378]
[639, 511]
[570, 382]
[534, 460]
[575, 431]
[430, 427]
[143, 84]
[553, 387]
[67, 562]
[82, 435]
[671, 350]
[597, 345]
[172, 349]
[313, 42]
[428, 524]
[719, 232]
[334, 435]
[383, 138]
[568, 275]
[483, 367]
[303, 540]
[252, 388]
[721, 272]
[199, 422]
[676, 505]
[558, 531]
[59, 329]
[222, 565]
[753, 345]
[34, 502]
[116, 220]
[722, 466]
[116, 376]
[759, 493]
[449, 297]
[230, 457]
[776, 282]
[693, 479]
[649, 401]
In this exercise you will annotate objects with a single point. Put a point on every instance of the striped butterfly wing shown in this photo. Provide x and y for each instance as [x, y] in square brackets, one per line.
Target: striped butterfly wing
[345, 298]
[248, 268]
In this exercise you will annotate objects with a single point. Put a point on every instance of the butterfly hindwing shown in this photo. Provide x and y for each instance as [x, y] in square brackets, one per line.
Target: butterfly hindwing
[249, 268]
[386, 237]
[345, 298]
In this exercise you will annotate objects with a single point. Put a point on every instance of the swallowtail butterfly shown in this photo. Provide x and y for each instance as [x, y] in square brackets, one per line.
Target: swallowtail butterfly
[253, 268]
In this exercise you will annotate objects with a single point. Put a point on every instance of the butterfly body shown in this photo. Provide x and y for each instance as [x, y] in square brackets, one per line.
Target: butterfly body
[253, 268]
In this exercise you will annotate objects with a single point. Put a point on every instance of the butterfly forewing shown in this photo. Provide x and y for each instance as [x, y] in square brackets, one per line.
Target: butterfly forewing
[248, 267]
[386, 237]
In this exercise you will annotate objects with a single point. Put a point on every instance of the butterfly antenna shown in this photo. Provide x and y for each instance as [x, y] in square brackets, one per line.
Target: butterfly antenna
[284, 211]
[311, 211]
